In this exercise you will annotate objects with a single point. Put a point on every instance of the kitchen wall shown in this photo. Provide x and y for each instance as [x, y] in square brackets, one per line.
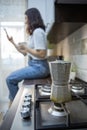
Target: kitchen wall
[74, 44]
[74, 49]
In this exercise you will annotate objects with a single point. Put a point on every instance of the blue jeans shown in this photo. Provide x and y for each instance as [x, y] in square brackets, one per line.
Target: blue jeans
[35, 69]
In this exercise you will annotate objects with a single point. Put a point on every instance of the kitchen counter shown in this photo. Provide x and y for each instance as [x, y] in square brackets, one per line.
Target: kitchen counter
[13, 119]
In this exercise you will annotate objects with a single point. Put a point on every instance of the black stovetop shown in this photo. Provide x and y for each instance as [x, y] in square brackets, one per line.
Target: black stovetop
[76, 116]
[76, 110]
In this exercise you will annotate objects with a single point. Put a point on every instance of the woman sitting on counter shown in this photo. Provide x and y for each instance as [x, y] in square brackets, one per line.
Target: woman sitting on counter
[36, 49]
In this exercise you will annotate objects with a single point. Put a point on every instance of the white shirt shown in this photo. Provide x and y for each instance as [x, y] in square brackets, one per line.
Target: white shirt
[37, 41]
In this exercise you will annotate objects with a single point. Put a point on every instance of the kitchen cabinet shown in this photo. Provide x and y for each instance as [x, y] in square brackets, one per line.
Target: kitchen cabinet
[72, 1]
[69, 16]
[70, 12]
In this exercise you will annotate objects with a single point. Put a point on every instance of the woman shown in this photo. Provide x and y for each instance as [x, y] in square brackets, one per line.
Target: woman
[37, 49]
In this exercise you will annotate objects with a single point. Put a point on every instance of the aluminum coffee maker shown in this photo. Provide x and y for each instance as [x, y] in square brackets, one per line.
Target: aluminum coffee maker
[60, 92]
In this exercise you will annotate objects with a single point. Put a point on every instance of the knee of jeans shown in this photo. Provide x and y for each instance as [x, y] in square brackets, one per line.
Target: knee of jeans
[8, 80]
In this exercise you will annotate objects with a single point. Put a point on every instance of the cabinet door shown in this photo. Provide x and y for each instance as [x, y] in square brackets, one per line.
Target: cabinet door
[72, 1]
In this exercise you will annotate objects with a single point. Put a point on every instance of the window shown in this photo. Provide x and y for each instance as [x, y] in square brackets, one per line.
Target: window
[11, 18]
[15, 29]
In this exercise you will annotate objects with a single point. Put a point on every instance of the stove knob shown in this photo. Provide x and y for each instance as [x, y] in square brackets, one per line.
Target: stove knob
[26, 104]
[28, 95]
[27, 99]
[25, 112]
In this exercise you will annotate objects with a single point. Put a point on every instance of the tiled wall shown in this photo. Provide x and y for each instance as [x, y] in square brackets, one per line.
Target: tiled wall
[74, 44]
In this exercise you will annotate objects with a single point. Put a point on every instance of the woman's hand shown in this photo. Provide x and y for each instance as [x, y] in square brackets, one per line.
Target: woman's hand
[9, 38]
[19, 47]
[22, 48]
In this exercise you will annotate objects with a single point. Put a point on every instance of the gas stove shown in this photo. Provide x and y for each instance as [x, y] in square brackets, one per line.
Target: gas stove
[47, 115]
[77, 87]
[71, 115]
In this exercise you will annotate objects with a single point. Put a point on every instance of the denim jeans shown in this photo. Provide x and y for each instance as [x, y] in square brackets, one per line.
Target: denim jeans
[35, 69]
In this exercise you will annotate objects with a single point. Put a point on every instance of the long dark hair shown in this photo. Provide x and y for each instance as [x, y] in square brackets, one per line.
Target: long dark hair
[35, 19]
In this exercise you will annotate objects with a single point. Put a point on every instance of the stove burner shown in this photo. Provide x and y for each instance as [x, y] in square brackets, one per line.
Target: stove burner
[57, 110]
[45, 90]
[78, 89]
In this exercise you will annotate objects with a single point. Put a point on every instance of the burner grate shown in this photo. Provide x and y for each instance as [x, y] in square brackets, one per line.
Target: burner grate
[44, 120]
[79, 87]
